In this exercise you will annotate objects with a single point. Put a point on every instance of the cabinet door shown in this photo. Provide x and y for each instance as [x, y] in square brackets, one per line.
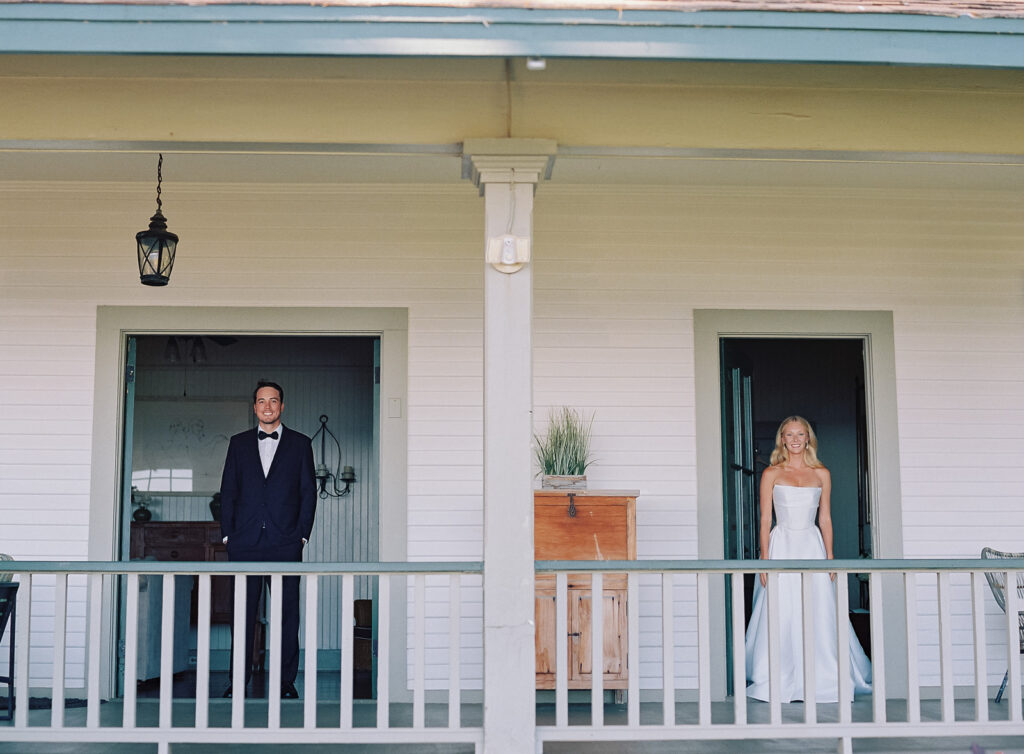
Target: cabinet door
[222, 590]
[546, 641]
[615, 643]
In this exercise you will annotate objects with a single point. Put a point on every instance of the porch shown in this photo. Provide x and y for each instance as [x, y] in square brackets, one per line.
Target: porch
[435, 697]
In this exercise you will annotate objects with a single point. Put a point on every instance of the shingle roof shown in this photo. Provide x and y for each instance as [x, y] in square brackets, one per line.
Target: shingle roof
[951, 8]
[948, 8]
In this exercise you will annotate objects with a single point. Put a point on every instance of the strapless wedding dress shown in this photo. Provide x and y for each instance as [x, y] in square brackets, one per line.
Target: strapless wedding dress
[795, 537]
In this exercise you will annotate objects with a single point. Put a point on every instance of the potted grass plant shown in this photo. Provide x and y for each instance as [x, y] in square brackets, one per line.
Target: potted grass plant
[563, 452]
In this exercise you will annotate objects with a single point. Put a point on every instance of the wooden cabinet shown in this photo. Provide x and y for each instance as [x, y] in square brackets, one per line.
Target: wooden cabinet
[187, 541]
[603, 528]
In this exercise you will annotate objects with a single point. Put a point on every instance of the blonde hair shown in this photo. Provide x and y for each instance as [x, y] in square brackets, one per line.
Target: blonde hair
[781, 454]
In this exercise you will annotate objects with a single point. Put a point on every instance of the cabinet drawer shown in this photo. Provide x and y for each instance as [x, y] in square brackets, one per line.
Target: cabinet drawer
[170, 551]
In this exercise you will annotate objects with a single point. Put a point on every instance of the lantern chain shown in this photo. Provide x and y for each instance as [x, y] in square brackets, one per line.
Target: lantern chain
[159, 178]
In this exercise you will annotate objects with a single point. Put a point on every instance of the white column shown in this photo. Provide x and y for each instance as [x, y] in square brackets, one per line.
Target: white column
[507, 171]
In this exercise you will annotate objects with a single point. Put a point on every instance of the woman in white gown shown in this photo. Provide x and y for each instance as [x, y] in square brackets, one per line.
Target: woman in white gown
[798, 486]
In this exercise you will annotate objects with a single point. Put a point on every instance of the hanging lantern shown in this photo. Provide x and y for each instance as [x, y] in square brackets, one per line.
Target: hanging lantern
[157, 245]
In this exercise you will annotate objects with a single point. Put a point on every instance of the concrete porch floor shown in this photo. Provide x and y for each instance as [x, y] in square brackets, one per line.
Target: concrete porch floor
[401, 716]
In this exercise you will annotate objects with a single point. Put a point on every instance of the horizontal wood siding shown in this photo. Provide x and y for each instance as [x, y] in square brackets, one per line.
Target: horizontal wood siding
[618, 273]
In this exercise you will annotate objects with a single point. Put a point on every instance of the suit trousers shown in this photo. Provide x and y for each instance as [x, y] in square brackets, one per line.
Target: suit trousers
[263, 553]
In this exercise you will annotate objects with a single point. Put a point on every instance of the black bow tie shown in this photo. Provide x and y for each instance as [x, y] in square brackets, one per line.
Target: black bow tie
[264, 435]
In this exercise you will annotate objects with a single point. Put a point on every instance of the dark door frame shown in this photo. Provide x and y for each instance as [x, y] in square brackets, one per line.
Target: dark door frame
[876, 328]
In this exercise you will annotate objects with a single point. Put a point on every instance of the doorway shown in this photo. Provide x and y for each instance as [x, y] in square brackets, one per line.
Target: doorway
[764, 380]
[187, 393]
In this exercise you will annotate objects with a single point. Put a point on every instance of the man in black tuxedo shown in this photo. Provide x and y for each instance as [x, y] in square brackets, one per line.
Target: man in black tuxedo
[268, 501]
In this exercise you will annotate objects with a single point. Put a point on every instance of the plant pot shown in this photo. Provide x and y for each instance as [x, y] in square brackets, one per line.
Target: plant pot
[563, 482]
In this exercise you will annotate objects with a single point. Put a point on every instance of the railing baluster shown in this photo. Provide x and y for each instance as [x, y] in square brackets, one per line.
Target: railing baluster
[131, 649]
[23, 635]
[60, 635]
[94, 644]
[633, 653]
[240, 655]
[978, 588]
[843, 647]
[203, 653]
[739, 654]
[419, 651]
[561, 649]
[347, 595]
[276, 644]
[1013, 607]
[597, 649]
[945, 647]
[384, 651]
[166, 649]
[312, 618]
[878, 713]
[668, 660]
[703, 650]
[454, 651]
[913, 685]
[808, 649]
[774, 643]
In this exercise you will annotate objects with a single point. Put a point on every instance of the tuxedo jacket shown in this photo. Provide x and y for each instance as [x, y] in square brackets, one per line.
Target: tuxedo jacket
[280, 505]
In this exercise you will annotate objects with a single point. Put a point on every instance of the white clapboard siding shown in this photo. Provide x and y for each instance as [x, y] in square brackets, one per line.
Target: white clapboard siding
[618, 272]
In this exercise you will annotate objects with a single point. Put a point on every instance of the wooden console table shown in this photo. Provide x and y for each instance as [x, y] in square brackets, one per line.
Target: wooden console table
[187, 541]
[603, 528]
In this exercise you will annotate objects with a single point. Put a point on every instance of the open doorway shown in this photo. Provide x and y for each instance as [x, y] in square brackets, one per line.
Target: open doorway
[186, 395]
[764, 380]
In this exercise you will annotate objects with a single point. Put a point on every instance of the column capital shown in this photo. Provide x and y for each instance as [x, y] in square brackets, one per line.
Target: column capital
[507, 160]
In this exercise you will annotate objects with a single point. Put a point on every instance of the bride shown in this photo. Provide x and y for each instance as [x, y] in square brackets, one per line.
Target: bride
[798, 486]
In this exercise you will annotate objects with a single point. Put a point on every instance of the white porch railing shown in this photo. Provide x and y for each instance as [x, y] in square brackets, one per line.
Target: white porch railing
[678, 604]
[666, 712]
[168, 720]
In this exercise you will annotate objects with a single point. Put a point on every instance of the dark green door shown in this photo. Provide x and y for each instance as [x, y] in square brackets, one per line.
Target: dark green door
[739, 485]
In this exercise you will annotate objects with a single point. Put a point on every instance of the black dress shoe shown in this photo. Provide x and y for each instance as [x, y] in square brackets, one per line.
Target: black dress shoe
[288, 691]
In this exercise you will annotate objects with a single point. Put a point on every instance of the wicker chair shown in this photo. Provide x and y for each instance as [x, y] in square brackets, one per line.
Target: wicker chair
[997, 582]
[8, 600]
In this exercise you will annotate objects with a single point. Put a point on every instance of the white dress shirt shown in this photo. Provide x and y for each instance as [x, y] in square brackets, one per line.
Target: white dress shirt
[268, 447]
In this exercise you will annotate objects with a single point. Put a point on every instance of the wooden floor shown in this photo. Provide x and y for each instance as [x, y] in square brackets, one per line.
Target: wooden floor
[364, 715]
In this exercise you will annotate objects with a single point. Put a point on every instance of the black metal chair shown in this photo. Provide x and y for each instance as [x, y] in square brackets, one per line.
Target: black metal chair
[997, 583]
[8, 602]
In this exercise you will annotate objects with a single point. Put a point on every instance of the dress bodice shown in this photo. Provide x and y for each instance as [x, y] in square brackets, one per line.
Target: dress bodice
[795, 507]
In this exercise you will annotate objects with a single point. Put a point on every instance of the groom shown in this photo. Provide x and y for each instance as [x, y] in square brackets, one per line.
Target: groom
[268, 501]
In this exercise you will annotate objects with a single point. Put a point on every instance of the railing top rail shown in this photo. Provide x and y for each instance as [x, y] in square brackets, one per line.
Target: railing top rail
[862, 565]
[541, 566]
[224, 568]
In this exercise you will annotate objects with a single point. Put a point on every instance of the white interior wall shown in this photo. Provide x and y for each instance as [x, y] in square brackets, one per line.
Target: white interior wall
[618, 272]
[328, 376]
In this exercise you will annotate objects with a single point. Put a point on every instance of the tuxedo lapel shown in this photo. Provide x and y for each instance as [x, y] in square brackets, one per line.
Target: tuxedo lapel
[252, 451]
[282, 449]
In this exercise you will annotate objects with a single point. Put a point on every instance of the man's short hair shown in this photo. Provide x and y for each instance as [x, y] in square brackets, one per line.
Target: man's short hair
[266, 383]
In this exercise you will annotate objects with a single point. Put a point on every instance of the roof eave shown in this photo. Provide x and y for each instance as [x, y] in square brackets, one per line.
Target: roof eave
[402, 31]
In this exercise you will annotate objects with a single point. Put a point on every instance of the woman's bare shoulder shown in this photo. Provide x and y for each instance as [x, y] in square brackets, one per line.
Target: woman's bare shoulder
[771, 472]
[823, 474]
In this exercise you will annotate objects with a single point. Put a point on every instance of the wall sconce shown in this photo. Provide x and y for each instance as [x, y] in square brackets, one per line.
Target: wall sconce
[157, 245]
[330, 482]
[508, 253]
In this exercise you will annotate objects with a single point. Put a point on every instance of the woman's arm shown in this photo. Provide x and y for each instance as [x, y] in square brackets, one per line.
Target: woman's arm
[825, 512]
[765, 524]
